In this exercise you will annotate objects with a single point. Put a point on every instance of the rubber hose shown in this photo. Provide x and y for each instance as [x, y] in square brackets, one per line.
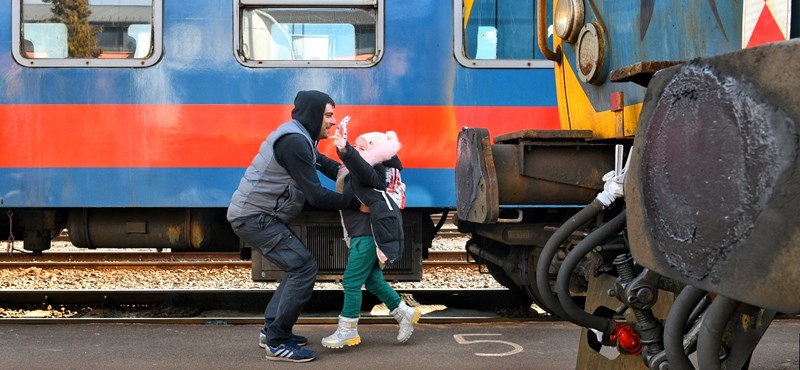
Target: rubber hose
[550, 249]
[675, 325]
[574, 313]
[711, 330]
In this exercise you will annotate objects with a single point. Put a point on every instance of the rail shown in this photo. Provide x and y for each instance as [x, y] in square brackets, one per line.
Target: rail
[175, 259]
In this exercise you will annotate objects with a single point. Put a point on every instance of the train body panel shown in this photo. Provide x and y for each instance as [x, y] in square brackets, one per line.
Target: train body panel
[179, 132]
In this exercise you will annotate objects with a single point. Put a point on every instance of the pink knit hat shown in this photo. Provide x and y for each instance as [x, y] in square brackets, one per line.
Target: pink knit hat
[370, 139]
[379, 146]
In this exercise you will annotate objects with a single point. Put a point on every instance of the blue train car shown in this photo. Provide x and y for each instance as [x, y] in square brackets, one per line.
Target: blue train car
[130, 122]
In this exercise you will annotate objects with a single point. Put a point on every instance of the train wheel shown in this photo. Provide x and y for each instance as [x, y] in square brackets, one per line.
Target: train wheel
[501, 253]
[530, 272]
[521, 296]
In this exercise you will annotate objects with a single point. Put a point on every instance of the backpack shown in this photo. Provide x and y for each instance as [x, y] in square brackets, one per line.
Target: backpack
[395, 187]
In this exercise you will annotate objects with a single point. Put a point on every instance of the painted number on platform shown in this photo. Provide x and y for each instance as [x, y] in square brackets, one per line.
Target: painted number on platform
[462, 339]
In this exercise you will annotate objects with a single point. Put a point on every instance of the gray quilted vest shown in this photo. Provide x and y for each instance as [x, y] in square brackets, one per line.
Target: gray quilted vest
[266, 186]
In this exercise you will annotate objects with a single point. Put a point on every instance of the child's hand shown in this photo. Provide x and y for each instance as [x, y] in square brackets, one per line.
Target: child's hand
[339, 141]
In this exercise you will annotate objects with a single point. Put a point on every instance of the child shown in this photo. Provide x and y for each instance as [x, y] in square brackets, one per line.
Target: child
[378, 223]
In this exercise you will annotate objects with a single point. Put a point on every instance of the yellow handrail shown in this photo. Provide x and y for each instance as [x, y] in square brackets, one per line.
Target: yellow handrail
[541, 30]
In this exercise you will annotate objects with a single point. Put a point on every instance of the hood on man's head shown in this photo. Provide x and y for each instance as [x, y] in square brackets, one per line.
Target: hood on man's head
[309, 108]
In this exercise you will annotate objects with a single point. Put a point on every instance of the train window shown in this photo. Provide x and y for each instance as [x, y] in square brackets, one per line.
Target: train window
[309, 33]
[86, 33]
[497, 34]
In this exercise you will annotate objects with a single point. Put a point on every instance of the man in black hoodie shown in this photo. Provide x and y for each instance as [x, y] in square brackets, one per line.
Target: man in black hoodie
[281, 178]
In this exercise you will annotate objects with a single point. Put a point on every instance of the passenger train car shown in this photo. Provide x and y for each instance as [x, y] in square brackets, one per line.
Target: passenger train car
[130, 122]
[661, 217]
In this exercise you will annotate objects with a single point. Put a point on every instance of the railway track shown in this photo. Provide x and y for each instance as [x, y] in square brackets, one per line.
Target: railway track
[448, 231]
[175, 259]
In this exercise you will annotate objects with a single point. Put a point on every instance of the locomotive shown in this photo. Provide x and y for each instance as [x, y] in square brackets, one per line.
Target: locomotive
[660, 216]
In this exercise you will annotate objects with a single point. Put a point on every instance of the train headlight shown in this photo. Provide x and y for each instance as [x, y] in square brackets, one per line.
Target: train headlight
[590, 53]
[568, 19]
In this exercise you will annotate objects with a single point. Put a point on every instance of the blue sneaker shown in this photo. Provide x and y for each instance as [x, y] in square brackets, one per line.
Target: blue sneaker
[290, 352]
[299, 339]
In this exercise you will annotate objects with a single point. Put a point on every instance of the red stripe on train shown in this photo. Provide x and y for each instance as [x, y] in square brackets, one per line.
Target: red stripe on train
[227, 135]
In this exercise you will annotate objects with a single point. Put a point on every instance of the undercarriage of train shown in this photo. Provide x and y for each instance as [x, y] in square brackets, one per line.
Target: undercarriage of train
[206, 230]
[686, 243]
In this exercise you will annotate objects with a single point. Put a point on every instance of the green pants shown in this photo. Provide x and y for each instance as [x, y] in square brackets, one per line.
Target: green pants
[363, 271]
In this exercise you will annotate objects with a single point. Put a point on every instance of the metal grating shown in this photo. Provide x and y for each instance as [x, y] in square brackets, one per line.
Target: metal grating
[326, 244]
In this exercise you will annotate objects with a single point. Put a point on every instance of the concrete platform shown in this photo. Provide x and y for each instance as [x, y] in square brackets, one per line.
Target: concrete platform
[524, 345]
